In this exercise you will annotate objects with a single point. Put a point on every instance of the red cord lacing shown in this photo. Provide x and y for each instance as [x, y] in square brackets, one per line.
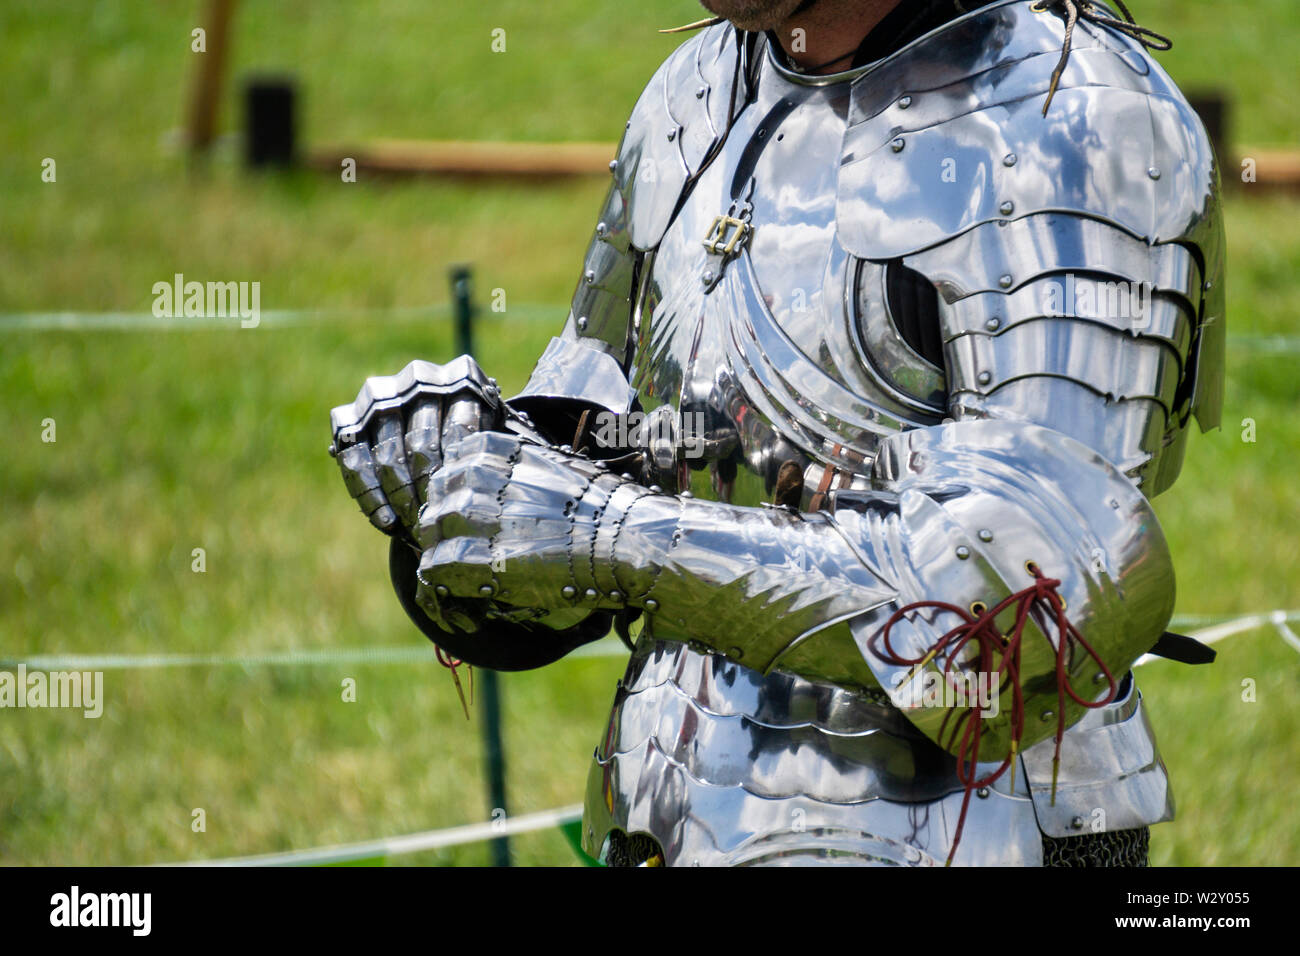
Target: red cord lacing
[980, 627]
[451, 663]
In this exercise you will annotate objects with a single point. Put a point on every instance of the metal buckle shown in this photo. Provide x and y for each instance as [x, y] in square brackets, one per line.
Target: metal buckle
[726, 235]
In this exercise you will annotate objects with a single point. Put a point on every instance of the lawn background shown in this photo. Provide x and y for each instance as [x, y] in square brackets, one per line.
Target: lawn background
[214, 438]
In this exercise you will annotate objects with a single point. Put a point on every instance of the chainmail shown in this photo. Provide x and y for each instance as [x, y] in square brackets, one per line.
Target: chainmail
[631, 850]
[1114, 848]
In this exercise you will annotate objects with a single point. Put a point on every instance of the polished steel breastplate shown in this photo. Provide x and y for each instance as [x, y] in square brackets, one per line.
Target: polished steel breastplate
[772, 342]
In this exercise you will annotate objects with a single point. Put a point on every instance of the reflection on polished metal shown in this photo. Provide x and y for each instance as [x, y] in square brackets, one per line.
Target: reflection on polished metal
[725, 767]
[797, 353]
[389, 440]
[744, 277]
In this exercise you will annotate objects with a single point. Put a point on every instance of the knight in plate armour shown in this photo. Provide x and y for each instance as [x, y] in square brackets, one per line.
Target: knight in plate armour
[871, 372]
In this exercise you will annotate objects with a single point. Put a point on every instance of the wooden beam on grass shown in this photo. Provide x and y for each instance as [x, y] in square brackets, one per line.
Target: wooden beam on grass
[465, 159]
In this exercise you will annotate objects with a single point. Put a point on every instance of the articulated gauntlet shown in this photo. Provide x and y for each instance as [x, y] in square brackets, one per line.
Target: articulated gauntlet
[533, 527]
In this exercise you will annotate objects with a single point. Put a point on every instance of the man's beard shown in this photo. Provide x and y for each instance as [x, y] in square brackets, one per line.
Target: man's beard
[756, 15]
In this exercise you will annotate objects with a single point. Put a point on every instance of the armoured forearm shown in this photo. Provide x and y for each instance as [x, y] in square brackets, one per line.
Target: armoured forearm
[749, 582]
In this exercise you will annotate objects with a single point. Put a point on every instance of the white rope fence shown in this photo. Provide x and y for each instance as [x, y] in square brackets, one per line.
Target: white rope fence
[1213, 628]
[273, 318]
[607, 647]
[402, 845]
[289, 318]
[1217, 629]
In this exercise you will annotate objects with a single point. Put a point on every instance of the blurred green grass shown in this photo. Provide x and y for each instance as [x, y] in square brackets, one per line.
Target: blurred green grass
[215, 438]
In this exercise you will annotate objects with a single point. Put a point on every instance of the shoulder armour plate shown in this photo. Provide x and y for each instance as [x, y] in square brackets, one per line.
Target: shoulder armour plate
[949, 133]
[676, 126]
[947, 143]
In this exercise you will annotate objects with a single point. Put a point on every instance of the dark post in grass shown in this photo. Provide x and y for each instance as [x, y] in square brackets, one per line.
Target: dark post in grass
[270, 121]
[494, 751]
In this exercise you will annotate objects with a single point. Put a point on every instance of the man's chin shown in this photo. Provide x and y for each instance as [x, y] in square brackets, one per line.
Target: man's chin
[753, 15]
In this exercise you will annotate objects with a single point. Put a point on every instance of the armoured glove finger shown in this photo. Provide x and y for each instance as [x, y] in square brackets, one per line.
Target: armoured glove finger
[389, 453]
[358, 467]
[424, 443]
[465, 416]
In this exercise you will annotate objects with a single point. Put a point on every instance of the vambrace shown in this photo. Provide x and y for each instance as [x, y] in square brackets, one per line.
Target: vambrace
[957, 514]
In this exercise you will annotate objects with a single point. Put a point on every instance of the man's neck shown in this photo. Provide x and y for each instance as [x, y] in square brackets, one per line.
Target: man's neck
[824, 38]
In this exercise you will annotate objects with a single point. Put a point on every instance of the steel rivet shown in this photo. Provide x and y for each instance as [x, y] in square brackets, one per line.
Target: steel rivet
[688, 493]
[590, 277]
[441, 591]
[993, 324]
[1009, 159]
[707, 277]
[898, 144]
[1154, 172]
[569, 592]
[651, 605]
[1007, 208]
[963, 552]
[1005, 282]
[1045, 716]
[1099, 678]
[1077, 823]
[905, 102]
[613, 165]
[334, 452]
[591, 594]
[616, 597]
[582, 323]
[982, 793]
[626, 476]
[601, 229]
[487, 590]
[986, 535]
[985, 378]
[699, 94]
[672, 135]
